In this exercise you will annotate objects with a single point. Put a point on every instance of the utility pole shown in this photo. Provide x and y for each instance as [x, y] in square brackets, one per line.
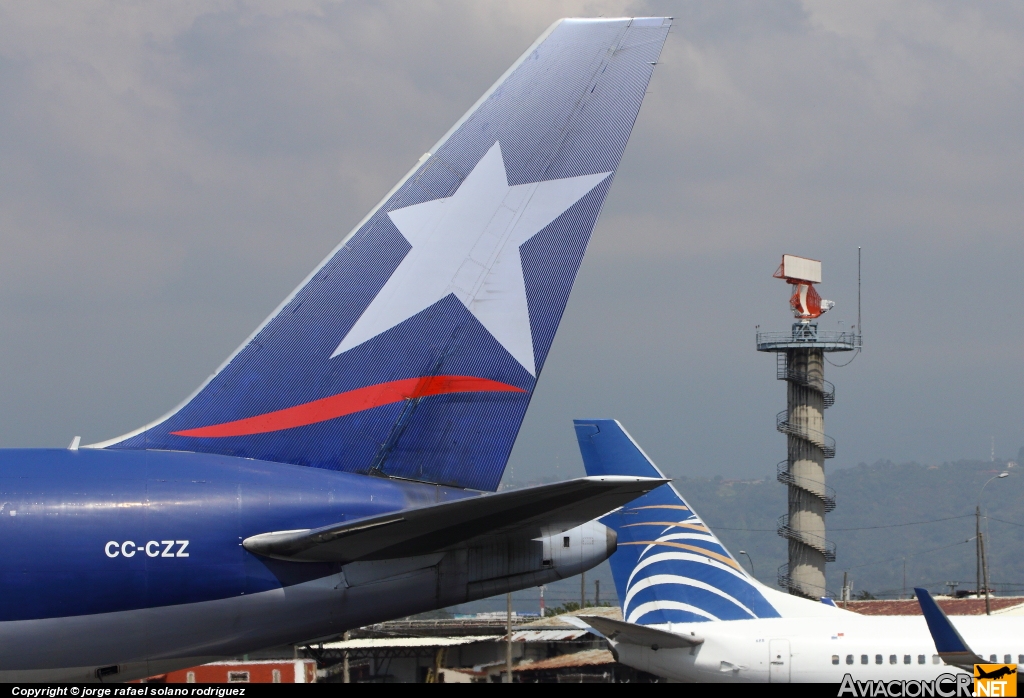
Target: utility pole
[982, 565]
[984, 573]
[508, 638]
[597, 592]
[583, 590]
[346, 677]
[845, 598]
[977, 551]
[904, 594]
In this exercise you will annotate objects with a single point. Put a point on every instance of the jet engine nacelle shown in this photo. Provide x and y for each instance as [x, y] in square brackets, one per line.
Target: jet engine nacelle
[517, 563]
[492, 565]
[577, 550]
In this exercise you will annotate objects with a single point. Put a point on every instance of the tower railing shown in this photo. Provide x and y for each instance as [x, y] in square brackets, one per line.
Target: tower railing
[822, 545]
[786, 581]
[820, 439]
[808, 335]
[784, 373]
[820, 490]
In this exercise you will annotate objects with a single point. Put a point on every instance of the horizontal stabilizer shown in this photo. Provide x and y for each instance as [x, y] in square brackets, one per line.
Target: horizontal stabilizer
[645, 636]
[948, 643]
[530, 512]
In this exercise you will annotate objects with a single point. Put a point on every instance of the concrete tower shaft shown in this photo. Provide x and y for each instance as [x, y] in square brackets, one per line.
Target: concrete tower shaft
[804, 524]
[801, 363]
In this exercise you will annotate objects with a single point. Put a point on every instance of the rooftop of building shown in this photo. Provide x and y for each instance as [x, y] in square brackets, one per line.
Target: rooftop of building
[1001, 605]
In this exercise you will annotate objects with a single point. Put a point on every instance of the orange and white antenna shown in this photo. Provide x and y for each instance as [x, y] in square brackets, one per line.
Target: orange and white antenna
[803, 273]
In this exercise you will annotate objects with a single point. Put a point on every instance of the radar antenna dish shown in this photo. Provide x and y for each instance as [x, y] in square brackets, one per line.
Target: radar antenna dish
[803, 273]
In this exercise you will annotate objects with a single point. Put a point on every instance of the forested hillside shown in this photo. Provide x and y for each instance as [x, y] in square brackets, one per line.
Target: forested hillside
[886, 514]
[877, 524]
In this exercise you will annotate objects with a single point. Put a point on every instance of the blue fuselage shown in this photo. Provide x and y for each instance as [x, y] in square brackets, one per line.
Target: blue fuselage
[140, 542]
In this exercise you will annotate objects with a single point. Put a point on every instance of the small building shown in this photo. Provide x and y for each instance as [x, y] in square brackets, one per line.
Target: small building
[1010, 605]
[586, 666]
[243, 671]
[472, 650]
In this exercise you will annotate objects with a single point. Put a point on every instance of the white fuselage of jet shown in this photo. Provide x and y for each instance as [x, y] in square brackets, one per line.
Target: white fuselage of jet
[822, 649]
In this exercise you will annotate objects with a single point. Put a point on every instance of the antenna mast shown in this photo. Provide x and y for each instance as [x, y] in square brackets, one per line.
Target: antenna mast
[860, 328]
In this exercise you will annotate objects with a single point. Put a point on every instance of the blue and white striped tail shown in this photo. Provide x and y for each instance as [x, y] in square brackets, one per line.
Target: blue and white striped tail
[669, 567]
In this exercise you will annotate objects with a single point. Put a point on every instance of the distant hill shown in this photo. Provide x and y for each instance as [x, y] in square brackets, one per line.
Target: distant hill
[873, 504]
[875, 499]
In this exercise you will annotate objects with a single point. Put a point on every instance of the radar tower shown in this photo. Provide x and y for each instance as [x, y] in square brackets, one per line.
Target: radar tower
[800, 361]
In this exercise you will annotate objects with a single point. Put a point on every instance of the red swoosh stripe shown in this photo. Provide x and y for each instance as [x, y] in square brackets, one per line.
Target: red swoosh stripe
[347, 403]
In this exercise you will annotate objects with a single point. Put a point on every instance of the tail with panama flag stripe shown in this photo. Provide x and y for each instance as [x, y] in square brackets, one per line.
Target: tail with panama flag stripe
[669, 567]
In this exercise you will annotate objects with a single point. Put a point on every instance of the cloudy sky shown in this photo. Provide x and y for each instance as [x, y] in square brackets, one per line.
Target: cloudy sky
[170, 171]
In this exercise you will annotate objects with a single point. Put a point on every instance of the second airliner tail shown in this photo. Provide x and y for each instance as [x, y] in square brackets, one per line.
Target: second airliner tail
[669, 566]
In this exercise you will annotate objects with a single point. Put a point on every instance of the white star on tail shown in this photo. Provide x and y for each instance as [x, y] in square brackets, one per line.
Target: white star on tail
[468, 245]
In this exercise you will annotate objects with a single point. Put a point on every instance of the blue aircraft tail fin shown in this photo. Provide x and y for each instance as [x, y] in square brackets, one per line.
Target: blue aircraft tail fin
[948, 643]
[413, 349]
[669, 566]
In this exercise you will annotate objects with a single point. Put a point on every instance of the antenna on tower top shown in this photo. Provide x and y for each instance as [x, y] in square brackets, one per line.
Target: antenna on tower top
[802, 273]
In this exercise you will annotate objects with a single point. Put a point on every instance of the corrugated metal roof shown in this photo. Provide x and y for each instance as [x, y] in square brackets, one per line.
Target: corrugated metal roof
[247, 662]
[556, 635]
[397, 642]
[585, 658]
[953, 607]
[613, 612]
[442, 627]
